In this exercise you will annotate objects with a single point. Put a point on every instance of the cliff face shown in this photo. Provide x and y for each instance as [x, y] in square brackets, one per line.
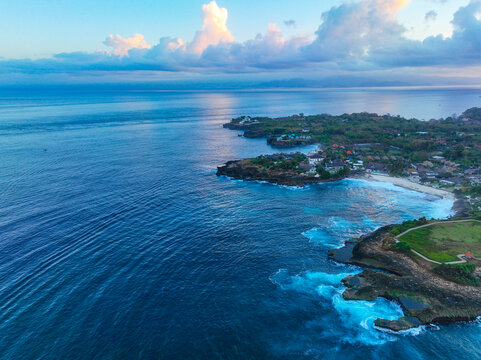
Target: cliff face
[424, 296]
[243, 170]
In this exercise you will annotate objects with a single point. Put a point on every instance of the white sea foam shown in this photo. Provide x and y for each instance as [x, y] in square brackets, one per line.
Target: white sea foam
[320, 236]
[356, 318]
[438, 204]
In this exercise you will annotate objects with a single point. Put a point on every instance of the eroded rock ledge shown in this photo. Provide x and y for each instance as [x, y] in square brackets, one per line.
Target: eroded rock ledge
[424, 296]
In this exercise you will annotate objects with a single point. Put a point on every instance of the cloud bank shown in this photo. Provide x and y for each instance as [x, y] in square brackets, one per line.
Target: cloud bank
[362, 35]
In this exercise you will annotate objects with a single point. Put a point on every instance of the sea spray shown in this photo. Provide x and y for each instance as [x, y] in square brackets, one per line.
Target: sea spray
[355, 318]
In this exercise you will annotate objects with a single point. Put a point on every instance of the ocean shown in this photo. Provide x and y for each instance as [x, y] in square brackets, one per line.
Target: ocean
[118, 241]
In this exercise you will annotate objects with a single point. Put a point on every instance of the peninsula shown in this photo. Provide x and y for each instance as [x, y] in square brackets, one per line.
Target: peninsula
[442, 154]
[431, 268]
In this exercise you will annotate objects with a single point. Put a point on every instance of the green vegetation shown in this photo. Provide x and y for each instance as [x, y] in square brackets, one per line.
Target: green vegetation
[401, 246]
[460, 273]
[406, 225]
[298, 163]
[279, 162]
[442, 242]
[326, 175]
[417, 141]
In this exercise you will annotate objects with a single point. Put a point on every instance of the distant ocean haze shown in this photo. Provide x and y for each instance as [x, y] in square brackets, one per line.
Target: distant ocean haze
[119, 241]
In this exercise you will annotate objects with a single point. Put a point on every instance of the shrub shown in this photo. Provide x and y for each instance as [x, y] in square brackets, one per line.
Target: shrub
[406, 225]
[401, 246]
[460, 273]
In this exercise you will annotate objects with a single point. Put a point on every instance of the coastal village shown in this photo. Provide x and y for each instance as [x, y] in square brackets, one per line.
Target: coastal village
[437, 171]
[443, 154]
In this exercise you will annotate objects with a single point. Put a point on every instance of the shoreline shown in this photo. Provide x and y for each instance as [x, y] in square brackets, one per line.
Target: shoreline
[407, 184]
[425, 297]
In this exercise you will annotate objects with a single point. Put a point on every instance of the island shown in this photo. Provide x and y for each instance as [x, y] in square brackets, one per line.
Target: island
[431, 268]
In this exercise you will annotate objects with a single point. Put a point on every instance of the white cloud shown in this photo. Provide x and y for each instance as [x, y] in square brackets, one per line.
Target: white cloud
[352, 30]
[214, 30]
[361, 35]
[121, 45]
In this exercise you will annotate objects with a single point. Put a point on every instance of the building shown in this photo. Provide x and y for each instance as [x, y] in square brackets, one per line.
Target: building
[375, 167]
[315, 159]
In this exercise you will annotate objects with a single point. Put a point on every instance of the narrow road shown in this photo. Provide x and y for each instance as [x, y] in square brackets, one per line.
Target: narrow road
[461, 258]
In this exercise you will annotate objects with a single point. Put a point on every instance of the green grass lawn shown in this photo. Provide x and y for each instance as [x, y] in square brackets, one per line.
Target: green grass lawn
[442, 242]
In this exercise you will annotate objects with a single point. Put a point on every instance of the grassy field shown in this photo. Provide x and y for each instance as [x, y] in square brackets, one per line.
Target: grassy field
[442, 242]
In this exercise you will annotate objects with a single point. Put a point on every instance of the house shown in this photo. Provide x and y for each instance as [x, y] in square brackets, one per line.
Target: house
[248, 120]
[333, 167]
[446, 182]
[315, 159]
[374, 167]
[359, 164]
[306, 167]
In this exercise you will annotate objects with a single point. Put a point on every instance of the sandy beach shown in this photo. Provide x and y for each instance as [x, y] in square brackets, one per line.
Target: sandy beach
[411, 185]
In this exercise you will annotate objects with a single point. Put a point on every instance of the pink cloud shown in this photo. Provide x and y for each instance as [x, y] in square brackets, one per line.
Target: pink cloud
[121, 45]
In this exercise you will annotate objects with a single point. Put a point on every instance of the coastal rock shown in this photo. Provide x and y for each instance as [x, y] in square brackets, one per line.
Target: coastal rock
[424, 296]
[403, 323]
[244, 170]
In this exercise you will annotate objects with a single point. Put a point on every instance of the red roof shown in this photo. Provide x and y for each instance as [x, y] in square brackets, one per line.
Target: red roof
[469, 255]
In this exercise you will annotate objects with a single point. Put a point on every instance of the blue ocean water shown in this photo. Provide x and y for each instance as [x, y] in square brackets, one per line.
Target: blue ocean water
[118, 241]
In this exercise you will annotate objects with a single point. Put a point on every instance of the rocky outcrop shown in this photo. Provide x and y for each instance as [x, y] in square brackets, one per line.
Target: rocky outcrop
[250, 131]
[423, 296]
[403, 323]
[245, 170]
[253, 131]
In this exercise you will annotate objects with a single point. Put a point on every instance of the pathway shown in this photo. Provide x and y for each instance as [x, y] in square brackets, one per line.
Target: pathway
[461, 258]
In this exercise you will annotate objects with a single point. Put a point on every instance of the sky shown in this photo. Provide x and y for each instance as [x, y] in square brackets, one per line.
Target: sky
[308, 42]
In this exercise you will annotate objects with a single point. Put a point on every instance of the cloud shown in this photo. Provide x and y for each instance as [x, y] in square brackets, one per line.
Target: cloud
[351, 30]
[430, 16]
[121, 46]
[270, 50]
[356, 36]
[290, 22]
[462, 48]
[214, 30]
[387, 7]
